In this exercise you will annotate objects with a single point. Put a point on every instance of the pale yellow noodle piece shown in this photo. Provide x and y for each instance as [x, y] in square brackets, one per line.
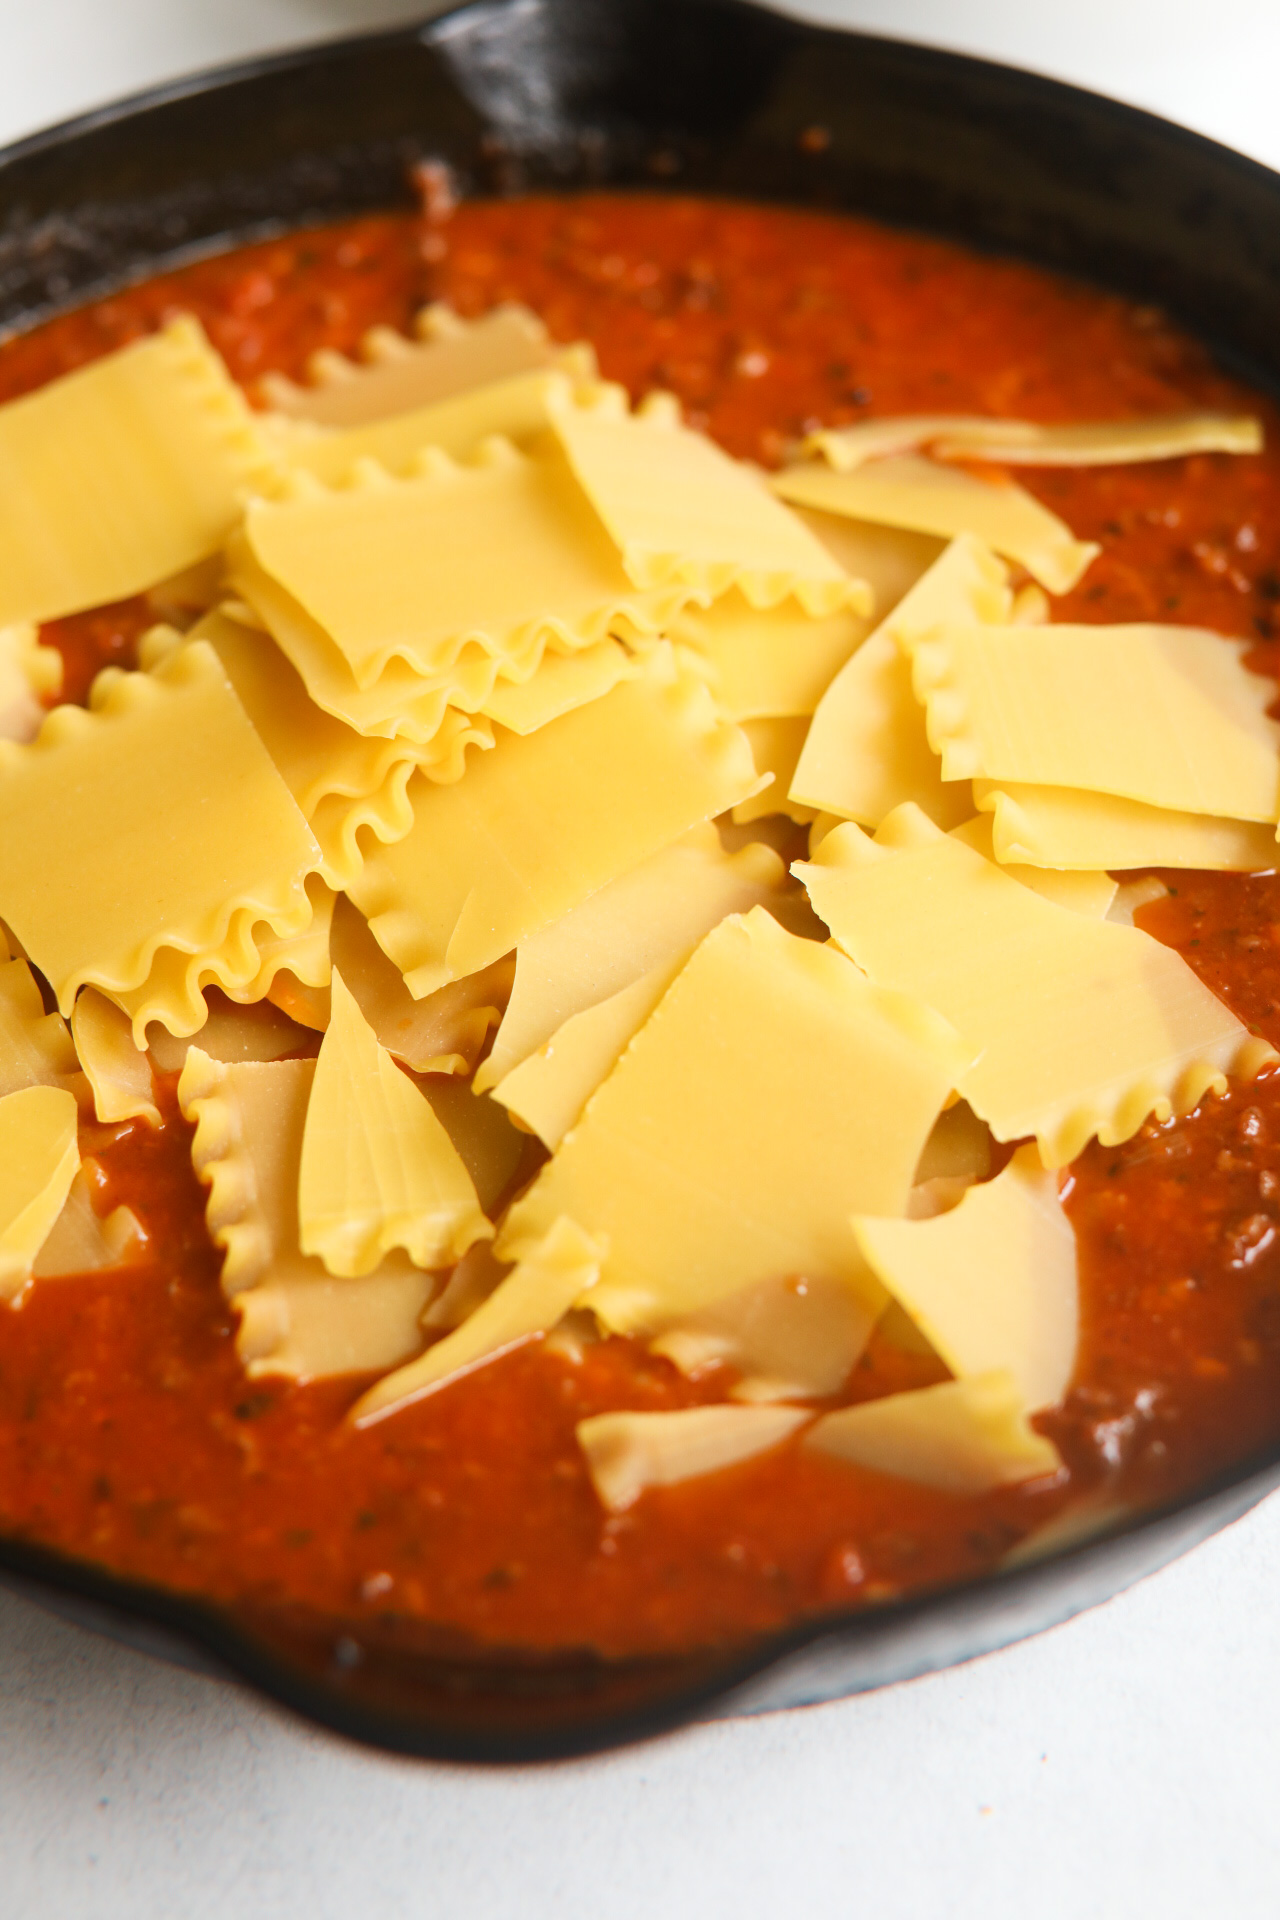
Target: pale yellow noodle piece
[39, 1159]
[246, 969]
[489, 1146]
[79, 1242]
[1071, 829]
[543, 821]
[724, 1148]
[1089, 891]
[1101, 443]
[293, 1317]
[789, 1339]
[378, 1171]
[30, 675]
[776, 746]
[650, 918]
[157, 821]
[35, 1046]
[498, 557]
[400, 704]
[1079, 1026]
[548, 1091]
[771, 663]
[925, 496]
[305, 955]
[963, 1437]
[889, 559]
[121, 473]
[867, 750]
[1170, 716]
[232, 1034]
[627, 1453]
[441, 1033]
[396, 375]
[519, 409]
[524, 1306]
[992, 1284]
[680, 511]
[562, 682]
[341, 780]
[119, 1073]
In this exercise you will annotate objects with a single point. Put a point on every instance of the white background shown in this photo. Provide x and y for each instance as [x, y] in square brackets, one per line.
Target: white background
[1126, 1763]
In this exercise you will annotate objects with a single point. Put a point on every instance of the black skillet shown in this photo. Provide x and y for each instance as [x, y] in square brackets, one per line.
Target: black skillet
[712, 96]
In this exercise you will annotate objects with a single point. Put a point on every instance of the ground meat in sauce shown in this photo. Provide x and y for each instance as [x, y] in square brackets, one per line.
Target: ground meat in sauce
[128, 1432]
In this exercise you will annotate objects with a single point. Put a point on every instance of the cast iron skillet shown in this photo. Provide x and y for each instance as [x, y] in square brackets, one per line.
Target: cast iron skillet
[714, 96]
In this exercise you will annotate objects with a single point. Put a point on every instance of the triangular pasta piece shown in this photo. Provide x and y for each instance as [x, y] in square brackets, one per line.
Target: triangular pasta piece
[30, 675]
[789, 1339]
[963, 1437]
[768, 663]
[776, 746]
[1101, 443]
[378, 1171]
[867, 750]
[79, 1242]
[543, 821]
[725, 1149]
[1079, 1027]
[35, 1046]
[992, 1284]
[490, 1147]
[681, 511]
[293, 1318]
[1071, 829]
[927, 497]
[450, 356]
[155, 821]
[1090, 892]
[121, 473]
[526, 1304]
[629, 1452]
[441, 1033]
[403, 571]
[39, 1158]
[1170, 716]
[119, 1073]
[549, 1089]
[652, 916]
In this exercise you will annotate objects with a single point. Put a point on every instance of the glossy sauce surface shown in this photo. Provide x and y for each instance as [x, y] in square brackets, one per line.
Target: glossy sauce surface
[128, 1433]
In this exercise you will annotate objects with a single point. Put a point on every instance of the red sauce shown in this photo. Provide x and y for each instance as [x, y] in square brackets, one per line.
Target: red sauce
[128, 1433]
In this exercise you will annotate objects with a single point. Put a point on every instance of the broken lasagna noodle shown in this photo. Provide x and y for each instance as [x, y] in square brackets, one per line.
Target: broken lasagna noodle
[590, 928]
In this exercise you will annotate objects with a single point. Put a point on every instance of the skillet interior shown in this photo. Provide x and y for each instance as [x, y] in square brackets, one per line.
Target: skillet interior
[700, 95]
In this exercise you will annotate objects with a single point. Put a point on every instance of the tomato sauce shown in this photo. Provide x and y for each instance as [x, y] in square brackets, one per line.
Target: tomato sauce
[128, 1433]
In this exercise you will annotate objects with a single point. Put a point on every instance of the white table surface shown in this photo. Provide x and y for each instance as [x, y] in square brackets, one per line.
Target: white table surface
[1125, 1763]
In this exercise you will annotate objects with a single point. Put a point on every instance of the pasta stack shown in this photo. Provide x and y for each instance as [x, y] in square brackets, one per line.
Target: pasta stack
[445, 846]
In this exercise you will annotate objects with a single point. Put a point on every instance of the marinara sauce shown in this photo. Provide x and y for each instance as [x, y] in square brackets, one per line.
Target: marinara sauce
[129, 1434]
